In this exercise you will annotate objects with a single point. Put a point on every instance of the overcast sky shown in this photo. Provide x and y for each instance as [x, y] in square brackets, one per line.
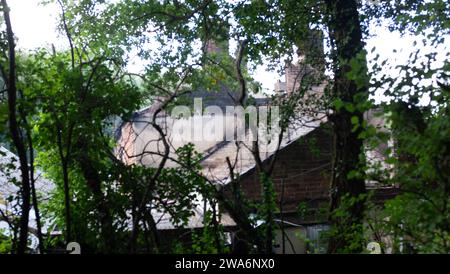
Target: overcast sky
[35, 26]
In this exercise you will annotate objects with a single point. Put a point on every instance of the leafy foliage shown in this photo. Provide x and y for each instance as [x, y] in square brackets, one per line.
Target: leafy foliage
[71, 103]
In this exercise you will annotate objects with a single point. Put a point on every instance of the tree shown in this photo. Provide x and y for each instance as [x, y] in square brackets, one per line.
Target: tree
[350, 95]
[9, 76]
[416, 220]
[170, 21]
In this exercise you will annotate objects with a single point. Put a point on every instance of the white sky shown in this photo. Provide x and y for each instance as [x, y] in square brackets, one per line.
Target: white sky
[35, 26]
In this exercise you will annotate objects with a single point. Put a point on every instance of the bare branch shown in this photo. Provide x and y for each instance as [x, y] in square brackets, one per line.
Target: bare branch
[69, 36]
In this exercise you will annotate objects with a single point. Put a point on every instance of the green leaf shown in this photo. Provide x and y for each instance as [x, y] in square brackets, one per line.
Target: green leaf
[350, 107]
[338, 104]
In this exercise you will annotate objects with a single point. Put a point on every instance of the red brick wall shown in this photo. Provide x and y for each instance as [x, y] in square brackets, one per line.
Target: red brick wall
[303, 167]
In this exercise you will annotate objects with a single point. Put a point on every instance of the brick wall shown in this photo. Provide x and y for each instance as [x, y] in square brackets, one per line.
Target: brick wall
[302, 169]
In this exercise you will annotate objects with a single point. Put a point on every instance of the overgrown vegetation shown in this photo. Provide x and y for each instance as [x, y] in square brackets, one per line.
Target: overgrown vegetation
[61, 112]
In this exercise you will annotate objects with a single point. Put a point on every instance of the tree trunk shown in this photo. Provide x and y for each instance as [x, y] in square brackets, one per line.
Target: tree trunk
[34, 195]
[15, 134]
[346, 35]
[67, 212]
[95, 184]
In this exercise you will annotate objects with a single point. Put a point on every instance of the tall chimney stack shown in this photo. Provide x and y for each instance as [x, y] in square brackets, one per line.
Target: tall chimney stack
[217, 41]
[311, 58]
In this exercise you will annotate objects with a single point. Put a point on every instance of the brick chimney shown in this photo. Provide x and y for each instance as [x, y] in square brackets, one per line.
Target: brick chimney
[217, 43]
[213, 46]
[311, 58]
[310, 50]
[293, 76]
